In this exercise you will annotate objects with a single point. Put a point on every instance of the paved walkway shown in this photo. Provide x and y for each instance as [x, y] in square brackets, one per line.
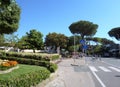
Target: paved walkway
[72, 74]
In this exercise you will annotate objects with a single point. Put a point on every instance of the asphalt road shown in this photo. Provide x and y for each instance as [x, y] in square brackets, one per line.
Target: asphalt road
[106, 73]
[112, 61]
[89, 73]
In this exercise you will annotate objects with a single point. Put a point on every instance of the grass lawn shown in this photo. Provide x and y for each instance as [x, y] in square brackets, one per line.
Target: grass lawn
[23, 69]
[25, 74]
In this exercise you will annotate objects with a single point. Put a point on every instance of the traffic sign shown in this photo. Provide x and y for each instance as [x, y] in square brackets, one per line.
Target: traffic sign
[82, 41]
[85, 47]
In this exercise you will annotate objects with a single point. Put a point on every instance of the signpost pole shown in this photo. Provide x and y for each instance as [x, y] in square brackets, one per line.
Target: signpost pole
[74, 53]
[74, 49]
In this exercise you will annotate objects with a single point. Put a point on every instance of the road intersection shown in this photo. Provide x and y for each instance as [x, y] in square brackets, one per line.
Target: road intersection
[83, 72]
[105, 72]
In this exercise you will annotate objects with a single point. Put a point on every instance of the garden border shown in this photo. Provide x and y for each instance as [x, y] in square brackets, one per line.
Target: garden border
[9, 70]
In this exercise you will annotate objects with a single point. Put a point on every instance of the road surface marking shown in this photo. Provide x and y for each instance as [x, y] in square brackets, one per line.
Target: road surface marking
[116, 69]
[104, 69]
[110, 64]
[93, 68]
[93, 71]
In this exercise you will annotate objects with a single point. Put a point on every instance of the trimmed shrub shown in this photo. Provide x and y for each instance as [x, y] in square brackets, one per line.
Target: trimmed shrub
[2, 53]
[52, 67]
[55, 57]
[27, 61]
[45, 57]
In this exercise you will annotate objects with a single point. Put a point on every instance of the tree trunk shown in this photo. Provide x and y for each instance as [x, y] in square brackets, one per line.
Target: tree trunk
[33, 50]
[82, 36]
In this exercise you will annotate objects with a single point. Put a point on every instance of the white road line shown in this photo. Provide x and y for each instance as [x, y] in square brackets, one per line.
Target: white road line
[93, 68]
[110, 64]
[102, 84]
[116, 69]
[104, 69]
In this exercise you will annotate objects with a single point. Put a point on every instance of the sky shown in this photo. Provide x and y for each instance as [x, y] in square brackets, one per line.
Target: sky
[48, 16]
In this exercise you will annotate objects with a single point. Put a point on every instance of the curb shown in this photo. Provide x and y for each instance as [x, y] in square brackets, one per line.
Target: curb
[9, 70]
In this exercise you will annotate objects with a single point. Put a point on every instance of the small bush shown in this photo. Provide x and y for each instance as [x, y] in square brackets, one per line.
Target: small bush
[2, 53]
[52, 67]
[55, 57]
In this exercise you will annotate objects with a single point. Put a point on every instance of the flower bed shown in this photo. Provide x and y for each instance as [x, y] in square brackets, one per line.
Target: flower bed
[6, 64]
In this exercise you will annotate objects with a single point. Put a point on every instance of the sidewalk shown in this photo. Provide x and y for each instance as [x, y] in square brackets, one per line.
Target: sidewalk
[75, 75]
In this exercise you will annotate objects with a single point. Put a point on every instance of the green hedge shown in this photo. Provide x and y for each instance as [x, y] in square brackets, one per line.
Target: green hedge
[50, 66]
[28, 56]
[31, 76]
[55, 57]
[35, 56]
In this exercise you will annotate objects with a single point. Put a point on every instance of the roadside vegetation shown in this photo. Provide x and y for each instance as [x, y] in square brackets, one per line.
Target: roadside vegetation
[32, 70]
[32, 59]
[24, 76]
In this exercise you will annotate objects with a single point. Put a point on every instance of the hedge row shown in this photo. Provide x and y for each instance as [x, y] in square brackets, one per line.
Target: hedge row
[45, 57]
[50, 66]
[24, 79]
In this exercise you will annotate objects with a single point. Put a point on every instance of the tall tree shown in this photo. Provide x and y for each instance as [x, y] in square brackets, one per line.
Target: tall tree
[84, 28]
[9, 16]
[105, 41]
[115, 32]
[73, 43]
[22, 44]
[71, 40]
[57, 40]
[11, 39]
[97, 40]
[34, 39]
